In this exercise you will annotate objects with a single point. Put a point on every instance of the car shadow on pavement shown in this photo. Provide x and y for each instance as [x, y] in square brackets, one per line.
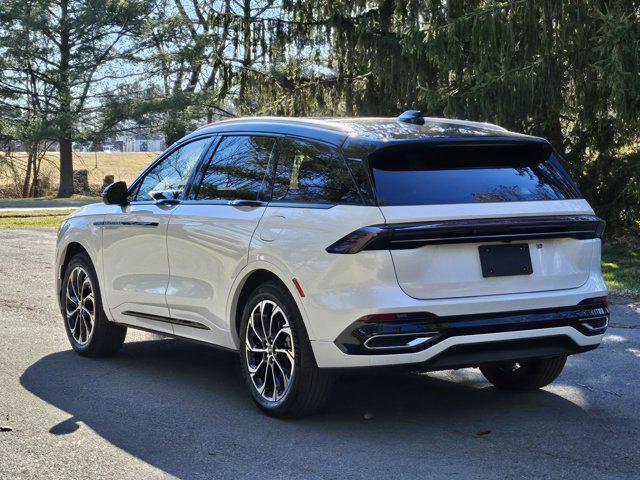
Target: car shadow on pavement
[184, 409]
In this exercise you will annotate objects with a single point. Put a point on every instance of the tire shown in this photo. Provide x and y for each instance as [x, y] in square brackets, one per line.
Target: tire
[80, 300]
[525, 375]
[264, 359]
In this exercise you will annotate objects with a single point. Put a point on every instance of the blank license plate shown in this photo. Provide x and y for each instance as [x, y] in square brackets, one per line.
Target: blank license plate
[505, 260]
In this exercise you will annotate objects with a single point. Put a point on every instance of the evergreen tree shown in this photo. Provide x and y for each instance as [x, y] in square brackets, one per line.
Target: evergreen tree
[568, 71]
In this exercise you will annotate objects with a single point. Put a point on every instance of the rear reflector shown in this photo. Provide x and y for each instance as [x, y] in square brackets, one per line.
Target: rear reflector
[594, 301]
[388, 317]
[414, 235]
[298, 287]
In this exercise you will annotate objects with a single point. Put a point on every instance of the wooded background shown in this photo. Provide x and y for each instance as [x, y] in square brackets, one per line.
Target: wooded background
[567, 70]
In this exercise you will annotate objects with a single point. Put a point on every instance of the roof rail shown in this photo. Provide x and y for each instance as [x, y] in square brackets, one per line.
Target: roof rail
[411, 116]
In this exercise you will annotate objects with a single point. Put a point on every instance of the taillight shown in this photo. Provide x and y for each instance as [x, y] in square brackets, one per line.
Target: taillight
[366, 238]
[414, 235]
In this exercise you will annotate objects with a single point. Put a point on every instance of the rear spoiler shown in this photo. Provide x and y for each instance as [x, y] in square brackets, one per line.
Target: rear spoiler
[397, 236]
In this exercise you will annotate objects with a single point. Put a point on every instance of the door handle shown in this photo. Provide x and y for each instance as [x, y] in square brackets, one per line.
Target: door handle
[247, 203]
[168, 201]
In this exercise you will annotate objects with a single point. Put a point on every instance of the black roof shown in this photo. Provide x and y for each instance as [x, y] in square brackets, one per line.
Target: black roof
[370, 130]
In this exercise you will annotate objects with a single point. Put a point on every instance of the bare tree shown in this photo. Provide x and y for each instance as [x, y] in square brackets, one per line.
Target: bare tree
[58, 55]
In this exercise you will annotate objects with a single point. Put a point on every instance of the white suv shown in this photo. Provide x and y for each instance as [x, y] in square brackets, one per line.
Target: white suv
[317, 246]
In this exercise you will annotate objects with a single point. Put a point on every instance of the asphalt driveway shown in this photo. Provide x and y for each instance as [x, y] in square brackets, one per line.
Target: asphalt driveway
[166, 408]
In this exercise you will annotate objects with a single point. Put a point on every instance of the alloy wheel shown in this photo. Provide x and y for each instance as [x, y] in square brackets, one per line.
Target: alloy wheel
[269, 350]
[80, 305]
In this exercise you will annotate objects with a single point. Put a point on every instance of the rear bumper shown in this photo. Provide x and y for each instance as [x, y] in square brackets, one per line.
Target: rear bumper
[437, 343]
[472, 355]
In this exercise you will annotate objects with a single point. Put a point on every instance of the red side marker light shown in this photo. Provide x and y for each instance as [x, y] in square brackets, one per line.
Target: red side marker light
[300, 291]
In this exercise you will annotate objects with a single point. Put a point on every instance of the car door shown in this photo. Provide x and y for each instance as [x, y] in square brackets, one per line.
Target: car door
[209, 234]
[136, 265]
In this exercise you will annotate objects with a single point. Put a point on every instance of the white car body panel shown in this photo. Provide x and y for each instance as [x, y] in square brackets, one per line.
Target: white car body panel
[330, 282]
[328, 355]
[284, 276]
[338, 288]
[187, 264]
[136, 265]
[342, 288]
[453, 270]
[208, 245]
[80, 229]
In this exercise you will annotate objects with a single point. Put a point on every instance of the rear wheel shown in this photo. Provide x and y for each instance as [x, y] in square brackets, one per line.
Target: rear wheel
[276, 357]
[525, 375]
[88, 330]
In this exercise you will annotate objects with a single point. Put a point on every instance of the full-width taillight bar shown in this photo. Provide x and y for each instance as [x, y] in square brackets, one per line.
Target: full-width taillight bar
[413, 235]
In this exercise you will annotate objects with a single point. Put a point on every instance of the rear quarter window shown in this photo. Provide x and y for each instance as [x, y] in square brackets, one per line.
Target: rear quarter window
[428, 174]
[312, 173]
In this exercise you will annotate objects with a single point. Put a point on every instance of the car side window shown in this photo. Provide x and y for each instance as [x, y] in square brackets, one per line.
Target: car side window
[168, 178]
[238, 169]
[310, 172]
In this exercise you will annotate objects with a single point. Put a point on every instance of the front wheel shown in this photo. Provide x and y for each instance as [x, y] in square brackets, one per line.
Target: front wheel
[276, 357]
[89, 331]
[525, 375]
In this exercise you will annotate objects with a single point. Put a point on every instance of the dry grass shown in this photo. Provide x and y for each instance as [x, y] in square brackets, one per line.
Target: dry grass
[123, 166]
[32, 218]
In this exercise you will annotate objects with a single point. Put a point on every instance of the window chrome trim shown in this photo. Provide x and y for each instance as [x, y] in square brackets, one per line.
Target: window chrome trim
[317, 206]
[222, 202]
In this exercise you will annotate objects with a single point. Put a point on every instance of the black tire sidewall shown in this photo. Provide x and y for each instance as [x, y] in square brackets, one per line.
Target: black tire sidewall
[539, 373]
[273, 292]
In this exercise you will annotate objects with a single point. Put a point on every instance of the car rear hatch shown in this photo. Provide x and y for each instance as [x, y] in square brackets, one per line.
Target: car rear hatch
[481, 217]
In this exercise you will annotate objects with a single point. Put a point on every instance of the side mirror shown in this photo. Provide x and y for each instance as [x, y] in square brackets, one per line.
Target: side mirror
[115, 194]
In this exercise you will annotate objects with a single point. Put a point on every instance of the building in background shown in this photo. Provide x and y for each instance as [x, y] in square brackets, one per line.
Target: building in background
[113, 145]
[138, 143]
[144, 143]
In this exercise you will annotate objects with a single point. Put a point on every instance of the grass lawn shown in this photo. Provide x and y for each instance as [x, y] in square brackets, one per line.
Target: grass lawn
[621, 270]
[32, 218]
[620, 265]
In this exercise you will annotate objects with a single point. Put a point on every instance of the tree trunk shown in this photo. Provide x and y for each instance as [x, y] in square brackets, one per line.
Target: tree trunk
[246, 46]
[66, 168]
[553, 131]
[65, 116]
[348, 99]
[37, 162]
[27, 175]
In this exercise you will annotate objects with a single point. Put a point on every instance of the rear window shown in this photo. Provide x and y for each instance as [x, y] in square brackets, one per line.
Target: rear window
[432, 174]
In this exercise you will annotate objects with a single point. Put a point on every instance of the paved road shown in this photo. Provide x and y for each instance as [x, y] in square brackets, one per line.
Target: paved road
[164, 408]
